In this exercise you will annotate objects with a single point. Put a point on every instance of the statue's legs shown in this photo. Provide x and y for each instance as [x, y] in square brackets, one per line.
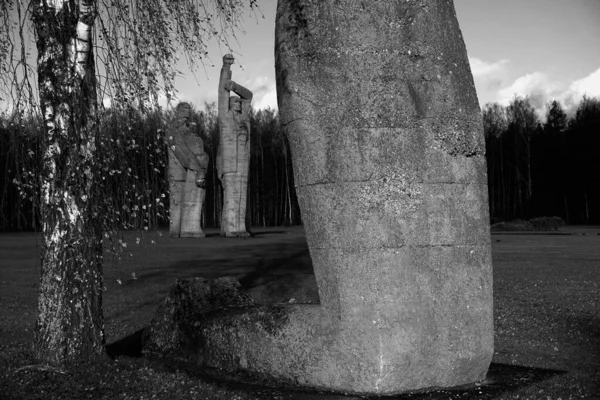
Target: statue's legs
[235, 191]
[242, 183]
[191, 207]
[176, 189]
[233, 221]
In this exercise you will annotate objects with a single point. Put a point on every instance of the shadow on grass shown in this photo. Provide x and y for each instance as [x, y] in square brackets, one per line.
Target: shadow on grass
[253, 235]
[500, 379]
[130, 346]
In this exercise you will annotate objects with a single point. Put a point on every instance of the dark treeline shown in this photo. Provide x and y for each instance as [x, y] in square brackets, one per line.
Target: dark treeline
[549, 168]
[19, 167]
[535, 168]
[132, 165]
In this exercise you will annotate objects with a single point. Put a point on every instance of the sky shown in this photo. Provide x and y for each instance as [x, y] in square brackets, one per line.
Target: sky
[544, 49]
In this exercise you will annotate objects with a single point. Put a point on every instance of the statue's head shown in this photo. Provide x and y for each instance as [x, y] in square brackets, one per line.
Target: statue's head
[183, 112]
[235, 104]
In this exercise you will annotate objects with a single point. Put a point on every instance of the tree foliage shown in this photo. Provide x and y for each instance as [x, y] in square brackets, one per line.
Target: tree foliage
[543, 169]
[137, 44]
[495, 121]
[87, 51]
[556, 118]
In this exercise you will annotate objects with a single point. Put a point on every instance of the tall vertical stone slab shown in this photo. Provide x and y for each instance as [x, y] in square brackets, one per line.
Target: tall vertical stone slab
[383, 120]
[380, 109]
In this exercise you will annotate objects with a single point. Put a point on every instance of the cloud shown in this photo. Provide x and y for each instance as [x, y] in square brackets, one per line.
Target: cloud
[537, 86]
[268, 100]
[589, 86]
[264, 93]
[489, 77]
[483, 69]
[541, 89]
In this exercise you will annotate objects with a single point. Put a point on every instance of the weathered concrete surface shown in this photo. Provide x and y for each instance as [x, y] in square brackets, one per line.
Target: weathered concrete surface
[188, 303]
[383, 120]
[187, 169]
[233, 158]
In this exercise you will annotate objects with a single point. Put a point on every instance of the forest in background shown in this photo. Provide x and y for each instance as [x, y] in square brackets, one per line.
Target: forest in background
[133, 166]
[543, 168]
[536, 166]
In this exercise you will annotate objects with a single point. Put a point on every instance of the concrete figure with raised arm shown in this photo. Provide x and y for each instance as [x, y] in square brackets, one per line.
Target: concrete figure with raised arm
[233, 157]
[187, 170]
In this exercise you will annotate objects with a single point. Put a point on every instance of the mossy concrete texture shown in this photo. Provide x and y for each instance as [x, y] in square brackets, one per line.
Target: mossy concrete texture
[378, 103]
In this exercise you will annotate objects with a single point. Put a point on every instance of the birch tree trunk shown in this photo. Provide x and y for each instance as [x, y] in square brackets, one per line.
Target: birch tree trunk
[70, 321]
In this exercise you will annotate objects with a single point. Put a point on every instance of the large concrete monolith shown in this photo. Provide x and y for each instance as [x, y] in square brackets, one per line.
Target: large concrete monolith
[379, 105]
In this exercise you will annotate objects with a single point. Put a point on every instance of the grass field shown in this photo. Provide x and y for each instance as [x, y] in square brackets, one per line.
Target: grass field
[546, 294]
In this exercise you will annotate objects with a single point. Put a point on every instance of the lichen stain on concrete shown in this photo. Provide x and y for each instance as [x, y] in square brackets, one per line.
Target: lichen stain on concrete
[273, 318]
[458, 138]
[392, 193]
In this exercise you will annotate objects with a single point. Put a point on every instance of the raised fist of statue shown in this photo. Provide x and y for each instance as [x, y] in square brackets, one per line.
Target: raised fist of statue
[228, 59]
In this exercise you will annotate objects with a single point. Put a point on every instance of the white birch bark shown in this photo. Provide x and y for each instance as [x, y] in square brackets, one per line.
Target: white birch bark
[70, 325]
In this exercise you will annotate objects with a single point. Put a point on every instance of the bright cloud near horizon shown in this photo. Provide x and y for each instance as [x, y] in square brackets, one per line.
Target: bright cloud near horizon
[544, 49]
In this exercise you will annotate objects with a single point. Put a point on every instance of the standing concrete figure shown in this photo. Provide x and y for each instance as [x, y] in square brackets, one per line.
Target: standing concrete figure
[187, 170]
[378, 103]
[233, 158]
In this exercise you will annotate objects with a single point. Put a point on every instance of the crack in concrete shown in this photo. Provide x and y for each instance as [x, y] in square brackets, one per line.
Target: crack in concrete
[381, 361]
[371, 179]
[419, 246]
